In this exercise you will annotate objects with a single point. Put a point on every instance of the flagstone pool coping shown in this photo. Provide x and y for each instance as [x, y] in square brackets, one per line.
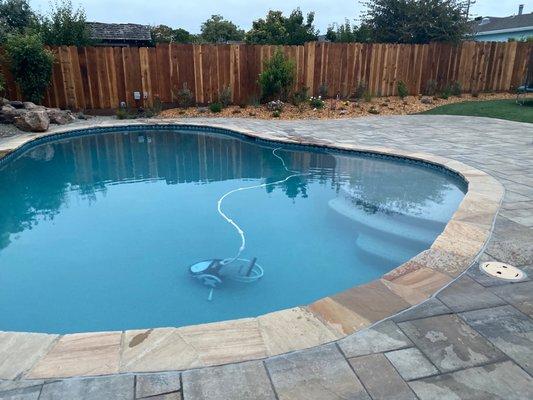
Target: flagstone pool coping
[44, 356]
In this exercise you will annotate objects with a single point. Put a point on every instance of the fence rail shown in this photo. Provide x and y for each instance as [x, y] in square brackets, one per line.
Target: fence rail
[102, 77]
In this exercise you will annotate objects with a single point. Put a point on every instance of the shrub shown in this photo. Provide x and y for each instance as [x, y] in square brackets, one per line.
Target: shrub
[184, 97]
[367, 96]
[431, 87]
[360, 90]
[277, 77]
[403, 91]
[323, 90]
[224, 97]
[215, 107]
[123, 113]
[456, 89]
[31, 65]
[316, 102]
[446, 92]
[300, 96]
[276, 114]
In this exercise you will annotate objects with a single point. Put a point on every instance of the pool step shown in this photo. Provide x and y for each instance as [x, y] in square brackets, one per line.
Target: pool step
[398, 226]
[381, 250]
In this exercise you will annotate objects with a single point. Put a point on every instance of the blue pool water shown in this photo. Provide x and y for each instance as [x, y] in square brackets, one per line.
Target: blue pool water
[97, 232]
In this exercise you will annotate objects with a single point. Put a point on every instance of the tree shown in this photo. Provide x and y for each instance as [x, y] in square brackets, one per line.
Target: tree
[30, 63]
[416, 21]
[277, 29]
[65, 25]
[16, 16]
[165, 34]
[348, 33]
[219, 30]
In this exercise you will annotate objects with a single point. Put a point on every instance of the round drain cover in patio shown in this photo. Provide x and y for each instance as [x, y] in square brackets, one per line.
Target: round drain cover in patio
[502, 271]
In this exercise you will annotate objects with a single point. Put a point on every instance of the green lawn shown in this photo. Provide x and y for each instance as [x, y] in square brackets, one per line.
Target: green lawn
[504, 109]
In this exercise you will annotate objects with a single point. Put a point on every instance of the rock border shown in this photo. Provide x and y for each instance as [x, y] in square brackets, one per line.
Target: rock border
[44, 356]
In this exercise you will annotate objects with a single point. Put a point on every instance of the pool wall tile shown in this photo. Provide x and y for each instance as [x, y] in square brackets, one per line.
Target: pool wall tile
[80, 354]
[156, 350]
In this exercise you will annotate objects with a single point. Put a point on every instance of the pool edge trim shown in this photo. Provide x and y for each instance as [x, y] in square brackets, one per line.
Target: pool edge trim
[329, 319]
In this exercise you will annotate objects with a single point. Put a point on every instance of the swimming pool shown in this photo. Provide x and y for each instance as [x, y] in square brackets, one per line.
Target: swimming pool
[98, 231]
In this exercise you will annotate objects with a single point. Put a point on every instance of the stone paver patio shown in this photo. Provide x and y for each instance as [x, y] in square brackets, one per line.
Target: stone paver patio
[473, 340]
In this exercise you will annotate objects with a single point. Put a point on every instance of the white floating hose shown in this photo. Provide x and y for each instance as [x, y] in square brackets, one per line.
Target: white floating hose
[262, 185]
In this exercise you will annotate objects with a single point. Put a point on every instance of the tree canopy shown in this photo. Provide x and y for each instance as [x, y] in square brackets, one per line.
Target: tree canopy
[16, 16]
[219, 30]
[348, 33]
[64, 25]
[281, 30]
[416, 21]
[166, 34]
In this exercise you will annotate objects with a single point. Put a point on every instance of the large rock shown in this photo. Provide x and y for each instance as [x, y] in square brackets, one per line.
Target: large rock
[60, 117]
[4, 101]
[28, 105]
[33, 121]
[8, 114]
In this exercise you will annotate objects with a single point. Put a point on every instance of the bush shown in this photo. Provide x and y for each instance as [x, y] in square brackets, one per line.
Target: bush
[456, 89]
[123, 113]
[300, 96]
[367, 96]
[360, 90]
[215, 107]
[316, 102]
[446, 92]
[323, 90]
[431, 88]
[277, 78]
[184, 97]
[224, 97]
[31, 65]
[403, 91]
[276, 114]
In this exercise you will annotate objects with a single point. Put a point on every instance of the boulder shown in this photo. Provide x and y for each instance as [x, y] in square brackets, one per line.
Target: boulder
[9, 113]
[426, 100]
[60, 117]
[4, 101]
[16, 104]
[33, 121]
[28, 105]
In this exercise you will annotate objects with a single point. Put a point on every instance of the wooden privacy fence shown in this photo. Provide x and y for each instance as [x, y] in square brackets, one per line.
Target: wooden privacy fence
[103, 77]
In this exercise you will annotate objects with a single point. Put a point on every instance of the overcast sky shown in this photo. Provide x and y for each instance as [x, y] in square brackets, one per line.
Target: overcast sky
[189, 14]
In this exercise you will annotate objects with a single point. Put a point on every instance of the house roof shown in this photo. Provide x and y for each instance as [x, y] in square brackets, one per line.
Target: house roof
[514, 22]
[119, 32]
